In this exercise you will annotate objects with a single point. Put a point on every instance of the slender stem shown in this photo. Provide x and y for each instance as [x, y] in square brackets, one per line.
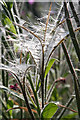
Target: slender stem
[42, 76]
[78, 24]
[8, 47]
[21, 112]
[71, 31]
[35, 95]
[27, 104]
[46, 88]
[3, 75]
[26, 29]
[6, 78]
[4, 116]
[25, 98]
[74, 14]
[6, 83]
[15, 10]
[59, 44]
[31, 99]
[58, 18]
[59, 56]
[6, 11]
[50, 92]
[76, 82]
[2, 61]
[64, 109]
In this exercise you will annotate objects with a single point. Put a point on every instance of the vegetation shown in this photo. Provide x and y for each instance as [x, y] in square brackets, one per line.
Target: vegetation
[40, 61]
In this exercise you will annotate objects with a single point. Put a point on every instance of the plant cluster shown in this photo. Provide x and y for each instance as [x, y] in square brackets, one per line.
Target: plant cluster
[39, 62]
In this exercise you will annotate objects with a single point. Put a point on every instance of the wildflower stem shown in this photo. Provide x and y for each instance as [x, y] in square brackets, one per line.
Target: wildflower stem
[74, 14]
[64, 109]
[35, 94]
[42, 76]
[71, 31]
[6, 45]
[26, 99]
[75, 78]
[59, 44]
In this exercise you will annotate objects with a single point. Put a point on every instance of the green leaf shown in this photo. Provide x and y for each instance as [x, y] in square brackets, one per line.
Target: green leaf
[10, 105]
[49, 111]
[49, 66]
[8, 24]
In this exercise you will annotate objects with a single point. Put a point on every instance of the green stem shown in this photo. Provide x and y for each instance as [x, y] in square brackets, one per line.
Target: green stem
[35, 94]
[3, 75]
[6, 72]
[21, 112]
[6, 11]
[46, 88]
[59, 56]
[27, 104]
[2, 61]
[42, 76]
[64, 109]
[71, 32]
[26, 99]
[74, 14]
[6, 78]
[76, 82]
[7, 47]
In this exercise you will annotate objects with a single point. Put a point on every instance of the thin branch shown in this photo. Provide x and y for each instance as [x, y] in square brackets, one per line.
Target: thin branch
[24, 108]
[26, 29]
[58, 17]
[25, 75]
[60, 43]
[63, 106]
[47, 21]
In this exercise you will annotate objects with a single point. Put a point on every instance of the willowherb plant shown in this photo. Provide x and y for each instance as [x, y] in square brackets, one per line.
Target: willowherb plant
[28, 57]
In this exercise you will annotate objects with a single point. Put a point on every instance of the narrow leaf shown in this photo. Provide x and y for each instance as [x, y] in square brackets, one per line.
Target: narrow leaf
[49, 66]
[8, 23]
